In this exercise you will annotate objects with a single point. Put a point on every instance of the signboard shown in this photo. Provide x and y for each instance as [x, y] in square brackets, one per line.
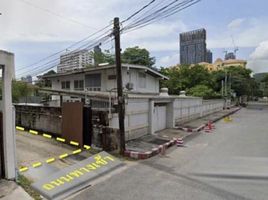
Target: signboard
[76, 177]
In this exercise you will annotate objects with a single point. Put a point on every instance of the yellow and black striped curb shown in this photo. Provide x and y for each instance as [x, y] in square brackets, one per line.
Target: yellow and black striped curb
[45, 135]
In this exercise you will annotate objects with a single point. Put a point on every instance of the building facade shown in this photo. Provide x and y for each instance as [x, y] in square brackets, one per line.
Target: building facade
[75, 60]
[193, 47]
[220, 64]
[209, 56]
[230, 56]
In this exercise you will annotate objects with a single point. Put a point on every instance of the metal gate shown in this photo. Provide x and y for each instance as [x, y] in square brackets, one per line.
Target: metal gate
[77, 122]
[160, 121]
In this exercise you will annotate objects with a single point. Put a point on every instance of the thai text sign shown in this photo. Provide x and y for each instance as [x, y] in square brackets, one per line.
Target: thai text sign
[73, 178]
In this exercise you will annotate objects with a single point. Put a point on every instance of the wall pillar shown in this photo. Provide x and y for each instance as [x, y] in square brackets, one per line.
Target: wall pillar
[7, 65]
[151, 117]
[170, 115]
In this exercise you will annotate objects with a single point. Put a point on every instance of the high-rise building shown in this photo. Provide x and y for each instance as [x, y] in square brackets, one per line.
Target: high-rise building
[230, 56]
[27, 79]
[193, 47]
[209, 56]
[75, 60]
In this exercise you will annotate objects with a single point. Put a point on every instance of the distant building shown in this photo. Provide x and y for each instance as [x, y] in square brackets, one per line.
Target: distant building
[220, 64]
[27, 79]
[193, 47]
[209, 56]
[75, 60]
[230, 56]
[97, 49]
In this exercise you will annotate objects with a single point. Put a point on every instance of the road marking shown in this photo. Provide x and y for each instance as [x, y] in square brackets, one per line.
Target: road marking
[19, 128]
[60, 139]
[38, 164]
[33, 132]
[23, 169]
[74, 143]
[86, 147]
[47, 136]
[50, 160]
[63, 155]
[77, 151]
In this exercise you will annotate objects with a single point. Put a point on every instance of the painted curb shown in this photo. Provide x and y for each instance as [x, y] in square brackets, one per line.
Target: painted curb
[159, 149]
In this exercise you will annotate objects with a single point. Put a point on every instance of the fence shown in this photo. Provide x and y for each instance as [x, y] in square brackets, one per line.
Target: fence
[189, 112]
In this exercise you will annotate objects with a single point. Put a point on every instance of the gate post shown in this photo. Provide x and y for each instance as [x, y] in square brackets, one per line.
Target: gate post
[7, 65]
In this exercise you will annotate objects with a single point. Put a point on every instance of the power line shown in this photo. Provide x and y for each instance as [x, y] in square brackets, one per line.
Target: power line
[161, 16]
[61, 51]
[56, 14]
[54, 62]
[140, 10]
[161, 13]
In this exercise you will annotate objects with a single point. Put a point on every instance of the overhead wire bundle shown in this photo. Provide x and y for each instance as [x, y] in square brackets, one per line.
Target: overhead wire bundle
[153, 11]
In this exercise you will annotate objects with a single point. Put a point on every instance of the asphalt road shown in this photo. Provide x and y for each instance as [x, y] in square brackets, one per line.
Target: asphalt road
[230, 163]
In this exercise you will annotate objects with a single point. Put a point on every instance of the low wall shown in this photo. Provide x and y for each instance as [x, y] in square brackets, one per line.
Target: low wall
[185, 112]
[46, 119]
[136, 119]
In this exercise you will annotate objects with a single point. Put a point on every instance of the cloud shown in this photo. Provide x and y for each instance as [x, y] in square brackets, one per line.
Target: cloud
[250, 34]
[169, 60]
[236, 23]
[258, 61]
[261, 52]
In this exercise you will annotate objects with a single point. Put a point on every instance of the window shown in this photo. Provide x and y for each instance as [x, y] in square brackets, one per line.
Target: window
[65, 85]
[78, 85]
[142, 80]
[93, 82]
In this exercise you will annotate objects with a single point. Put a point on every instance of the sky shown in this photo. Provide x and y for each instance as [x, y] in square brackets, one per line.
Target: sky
[34, 29]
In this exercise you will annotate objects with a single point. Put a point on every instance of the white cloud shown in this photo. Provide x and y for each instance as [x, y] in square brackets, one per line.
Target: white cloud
[169, 60]
[258, 61]
[261, 52]
[236, 23]
[250, 34]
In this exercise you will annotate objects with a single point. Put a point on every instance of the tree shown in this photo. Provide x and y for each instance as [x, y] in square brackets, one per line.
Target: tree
[265, 85]
[19, 89]
[184, 77]
[100, 57]
[202, 91]
[138, 56]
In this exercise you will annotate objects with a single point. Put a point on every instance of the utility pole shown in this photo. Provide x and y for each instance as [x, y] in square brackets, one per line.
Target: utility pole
[225, 83]
[222, 88]
[120, 95]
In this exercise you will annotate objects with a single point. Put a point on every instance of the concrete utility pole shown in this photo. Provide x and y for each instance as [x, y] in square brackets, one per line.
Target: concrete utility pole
[121, 101]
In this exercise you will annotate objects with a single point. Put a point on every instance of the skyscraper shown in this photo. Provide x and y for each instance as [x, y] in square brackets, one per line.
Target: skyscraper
[209, 56]
[193, 47]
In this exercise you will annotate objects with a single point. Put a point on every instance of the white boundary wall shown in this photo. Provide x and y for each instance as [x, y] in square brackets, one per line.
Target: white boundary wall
[139, 113]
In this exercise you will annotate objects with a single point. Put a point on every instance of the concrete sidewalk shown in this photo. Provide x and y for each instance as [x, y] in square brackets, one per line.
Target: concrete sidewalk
[199, 124]
[150, 145]
[9, 190]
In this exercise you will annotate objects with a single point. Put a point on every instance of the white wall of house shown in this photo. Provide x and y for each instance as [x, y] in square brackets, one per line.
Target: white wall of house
[149, 84]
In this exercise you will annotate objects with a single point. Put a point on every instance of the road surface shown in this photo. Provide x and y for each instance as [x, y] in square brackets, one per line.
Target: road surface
[230, 163]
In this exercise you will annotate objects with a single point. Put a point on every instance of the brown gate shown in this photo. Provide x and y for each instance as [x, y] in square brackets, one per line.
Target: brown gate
[76, 123]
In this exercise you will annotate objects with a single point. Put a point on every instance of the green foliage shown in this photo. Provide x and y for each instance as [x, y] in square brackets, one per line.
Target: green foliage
[185, 77]
[194, 79]
[138, 56]
[201, 91]
[21, 89]
[100, 57]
